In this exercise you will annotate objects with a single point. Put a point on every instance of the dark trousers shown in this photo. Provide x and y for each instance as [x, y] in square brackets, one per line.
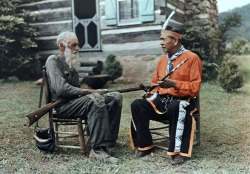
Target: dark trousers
[143, 112]
[103, 114]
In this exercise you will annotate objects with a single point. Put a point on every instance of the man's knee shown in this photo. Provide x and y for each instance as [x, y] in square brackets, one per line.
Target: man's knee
[136, 104]
[97, 99]
[117, 97]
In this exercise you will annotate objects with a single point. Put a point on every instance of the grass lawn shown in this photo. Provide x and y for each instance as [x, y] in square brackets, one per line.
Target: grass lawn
[224, 148]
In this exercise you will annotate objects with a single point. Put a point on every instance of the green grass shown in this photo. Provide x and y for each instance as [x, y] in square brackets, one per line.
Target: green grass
[225, 136]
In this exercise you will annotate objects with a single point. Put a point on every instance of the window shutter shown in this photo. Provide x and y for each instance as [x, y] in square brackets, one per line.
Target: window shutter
[110, 12]
[147, 10]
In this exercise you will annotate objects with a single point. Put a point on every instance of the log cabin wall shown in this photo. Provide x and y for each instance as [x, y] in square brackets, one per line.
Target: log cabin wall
[135, 44]
[50, 17]
[143, 31]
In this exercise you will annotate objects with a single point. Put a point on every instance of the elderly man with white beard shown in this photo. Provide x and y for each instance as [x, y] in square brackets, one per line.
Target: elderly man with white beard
[101, 109]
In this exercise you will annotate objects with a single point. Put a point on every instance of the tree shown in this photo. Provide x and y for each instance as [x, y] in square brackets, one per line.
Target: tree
[202, 43]
[232, 20]
[17, 45]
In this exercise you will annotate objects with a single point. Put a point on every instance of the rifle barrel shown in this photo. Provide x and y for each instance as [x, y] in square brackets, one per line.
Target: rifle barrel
[127, 90]
[37, 114]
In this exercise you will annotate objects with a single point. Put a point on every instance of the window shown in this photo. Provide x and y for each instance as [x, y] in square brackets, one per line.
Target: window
[128, 12]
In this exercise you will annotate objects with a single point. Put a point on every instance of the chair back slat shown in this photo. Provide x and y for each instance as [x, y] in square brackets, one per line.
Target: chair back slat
[46, 86]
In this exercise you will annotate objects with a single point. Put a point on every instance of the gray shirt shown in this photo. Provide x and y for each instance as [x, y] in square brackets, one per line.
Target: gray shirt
[63, 81]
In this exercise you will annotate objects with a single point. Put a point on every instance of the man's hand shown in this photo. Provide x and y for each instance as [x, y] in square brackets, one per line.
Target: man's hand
[90, 91]
[146, 95]
[167, 83]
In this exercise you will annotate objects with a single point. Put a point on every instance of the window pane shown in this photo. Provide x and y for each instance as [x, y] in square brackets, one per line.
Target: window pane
[85, 9]
[128, 11]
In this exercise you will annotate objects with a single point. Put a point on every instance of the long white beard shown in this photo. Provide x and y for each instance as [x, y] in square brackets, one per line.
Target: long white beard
[72, 59]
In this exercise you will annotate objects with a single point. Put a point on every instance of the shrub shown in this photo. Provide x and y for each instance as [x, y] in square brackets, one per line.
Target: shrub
[112, 67]
[230, 78]
[199, 42]
[237, 46]
[240, 46]
[17, 53]
[245, 49]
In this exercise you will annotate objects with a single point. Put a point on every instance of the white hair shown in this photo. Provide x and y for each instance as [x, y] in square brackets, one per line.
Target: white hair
[64, 36]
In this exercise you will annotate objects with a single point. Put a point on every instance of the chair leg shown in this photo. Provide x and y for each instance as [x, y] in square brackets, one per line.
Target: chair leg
[197, 131]
[80, 133]
[56, 130]
[81, 136]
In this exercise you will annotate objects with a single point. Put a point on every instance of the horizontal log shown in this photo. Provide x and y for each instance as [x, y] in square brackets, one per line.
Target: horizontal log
[91, 63]
[86, 69]
[43, 5]
[90, 69]
[50, 15]
[83, 74]
[52, 28]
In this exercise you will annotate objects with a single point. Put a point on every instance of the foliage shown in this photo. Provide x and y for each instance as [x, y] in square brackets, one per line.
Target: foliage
[202, 43]
[17, 46]
[245, 50]
[232, 20]
[199, 42]
[230, 77]
[244, 29]
[244, 61]
[112, 67]
[210, 45]
[240, 46]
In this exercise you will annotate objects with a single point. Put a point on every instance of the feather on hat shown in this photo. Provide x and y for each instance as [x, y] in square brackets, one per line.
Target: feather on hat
[167, 32]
